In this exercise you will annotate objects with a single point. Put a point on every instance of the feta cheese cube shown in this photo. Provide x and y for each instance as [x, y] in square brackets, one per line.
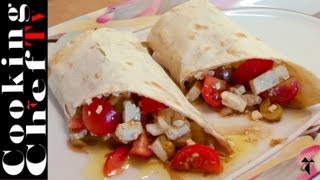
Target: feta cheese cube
[128, 131]
[238, 90]
[269, 79]
[194, 92]
[233, 101]
[154, 129]
[131, 112]
[178, 123]
[175, 133]
[272, 108]
[251, 99]
[256, 115]
[158, 150]
[163, 123]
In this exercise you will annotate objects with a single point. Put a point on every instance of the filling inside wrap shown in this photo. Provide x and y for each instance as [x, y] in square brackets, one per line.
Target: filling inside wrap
[148, 127]
[260, 87]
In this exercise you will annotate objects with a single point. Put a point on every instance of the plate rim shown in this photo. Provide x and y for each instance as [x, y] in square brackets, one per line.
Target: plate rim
[271, 9]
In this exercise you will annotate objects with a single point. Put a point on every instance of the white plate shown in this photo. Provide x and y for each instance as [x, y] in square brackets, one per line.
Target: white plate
[296, 35]
[306, 6]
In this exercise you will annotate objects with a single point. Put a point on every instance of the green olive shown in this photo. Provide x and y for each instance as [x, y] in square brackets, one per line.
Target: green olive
[167, 145]
[119, 106]
[198, 134]
[182, 141]
[271, 115]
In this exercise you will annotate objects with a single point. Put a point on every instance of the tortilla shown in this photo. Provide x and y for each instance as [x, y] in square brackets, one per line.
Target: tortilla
[106, 61]
[196, 36]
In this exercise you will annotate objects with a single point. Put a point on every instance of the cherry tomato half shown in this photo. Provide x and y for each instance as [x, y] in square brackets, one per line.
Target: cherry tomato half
[251, 69]
[199, 158]
[76, 125]
[282, 93]
[150, 106]
[115, 160]
[100, 118]
[211, 91]
[140, 146]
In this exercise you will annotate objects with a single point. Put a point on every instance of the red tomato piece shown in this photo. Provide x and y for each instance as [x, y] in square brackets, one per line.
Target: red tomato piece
[198, 158]
[150, 106]
[251, 69]
[76, 124]
[100, 118]
[115, 160]
[283, 93]
[141, 146]
[211, 91]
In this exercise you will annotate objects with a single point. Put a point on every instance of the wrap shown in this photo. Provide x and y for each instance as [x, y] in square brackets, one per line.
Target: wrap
[106, 61]
[196, 36]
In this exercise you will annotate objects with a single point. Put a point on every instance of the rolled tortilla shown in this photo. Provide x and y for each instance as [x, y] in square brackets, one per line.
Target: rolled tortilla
[107, 61]
[195, 36]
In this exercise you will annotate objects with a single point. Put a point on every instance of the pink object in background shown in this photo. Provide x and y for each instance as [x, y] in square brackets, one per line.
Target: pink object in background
[151, 10]
[107, 16]
[308, 153]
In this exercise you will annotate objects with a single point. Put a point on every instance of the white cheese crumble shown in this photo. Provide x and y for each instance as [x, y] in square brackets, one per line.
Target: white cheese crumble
[154, 129]
[218, 85]
[211, 72]
[251, 99]
[238, 90]
[194, 92]
[256, 115]
[116, 94]
[198, 75]
[128, 131]
[272, 108]
[178, 123]
[163, 123]
[158, 150]
[175, 133]
[233, 101]
[130, 112]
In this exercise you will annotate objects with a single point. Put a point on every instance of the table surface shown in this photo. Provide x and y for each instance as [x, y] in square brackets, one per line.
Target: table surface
[62, 10]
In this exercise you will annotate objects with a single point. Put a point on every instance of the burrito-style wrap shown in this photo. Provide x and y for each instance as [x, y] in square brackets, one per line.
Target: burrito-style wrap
[109, 86]
[211, 57]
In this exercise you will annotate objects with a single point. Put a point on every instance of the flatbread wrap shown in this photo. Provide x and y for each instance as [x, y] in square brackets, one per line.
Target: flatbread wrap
[109, 87]
[214, 59]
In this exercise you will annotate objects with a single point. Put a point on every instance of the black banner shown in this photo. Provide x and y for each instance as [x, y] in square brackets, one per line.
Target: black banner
[23, 90]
